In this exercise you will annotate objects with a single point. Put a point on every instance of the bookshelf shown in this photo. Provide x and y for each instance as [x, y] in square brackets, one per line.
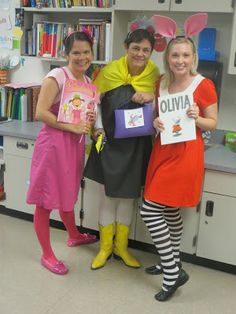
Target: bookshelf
[50, 25]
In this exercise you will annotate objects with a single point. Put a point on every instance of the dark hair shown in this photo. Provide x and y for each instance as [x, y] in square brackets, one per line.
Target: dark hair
[74, 36]
[138, 35]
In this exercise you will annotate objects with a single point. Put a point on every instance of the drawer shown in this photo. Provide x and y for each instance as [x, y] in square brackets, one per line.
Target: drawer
[18, 146]
[220, 183]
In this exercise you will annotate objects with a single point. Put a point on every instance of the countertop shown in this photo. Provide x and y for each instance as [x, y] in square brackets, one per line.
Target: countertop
[28, 130]
[217, 156]
[221, 158]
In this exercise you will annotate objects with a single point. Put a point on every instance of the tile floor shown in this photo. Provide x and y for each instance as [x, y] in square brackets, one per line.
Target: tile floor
[28, 288]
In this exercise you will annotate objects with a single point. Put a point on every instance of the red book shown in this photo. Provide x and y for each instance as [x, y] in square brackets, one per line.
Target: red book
[45, 39]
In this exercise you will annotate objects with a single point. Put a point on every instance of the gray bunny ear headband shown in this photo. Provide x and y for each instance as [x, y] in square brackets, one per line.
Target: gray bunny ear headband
[142, 23]
[193, 25]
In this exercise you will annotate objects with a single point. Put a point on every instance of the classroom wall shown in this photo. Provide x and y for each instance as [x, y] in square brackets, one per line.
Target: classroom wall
[33, 69]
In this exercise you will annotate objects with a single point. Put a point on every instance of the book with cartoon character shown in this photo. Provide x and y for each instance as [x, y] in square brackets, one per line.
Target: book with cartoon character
[77, 98]
[172, 111]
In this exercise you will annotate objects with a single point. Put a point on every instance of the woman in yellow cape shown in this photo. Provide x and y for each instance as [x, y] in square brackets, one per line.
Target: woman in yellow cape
[121, 164]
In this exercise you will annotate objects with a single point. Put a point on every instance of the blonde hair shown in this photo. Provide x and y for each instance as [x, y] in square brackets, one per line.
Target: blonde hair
[168, 77]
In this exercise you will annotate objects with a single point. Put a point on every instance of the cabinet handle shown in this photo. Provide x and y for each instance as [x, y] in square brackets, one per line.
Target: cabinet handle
[22, 145]
[178, 1]
[209, 208]
[235, 59]
[161, 1]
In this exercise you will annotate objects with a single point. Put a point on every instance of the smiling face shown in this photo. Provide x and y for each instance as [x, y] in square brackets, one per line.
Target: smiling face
[138, 55]
[181, 59]
[76, 102]
[80, 57]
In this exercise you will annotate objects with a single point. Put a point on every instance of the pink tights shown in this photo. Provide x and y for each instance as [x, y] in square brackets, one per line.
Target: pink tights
[41, 226]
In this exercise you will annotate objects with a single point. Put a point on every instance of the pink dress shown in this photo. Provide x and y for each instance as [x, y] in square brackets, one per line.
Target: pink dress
[57, 162]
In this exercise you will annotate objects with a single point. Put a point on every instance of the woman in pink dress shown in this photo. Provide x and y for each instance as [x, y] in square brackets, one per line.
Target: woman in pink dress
[58, 157]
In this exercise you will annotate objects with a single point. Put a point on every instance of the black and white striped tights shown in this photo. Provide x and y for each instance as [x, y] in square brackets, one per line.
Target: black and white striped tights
[165, 226]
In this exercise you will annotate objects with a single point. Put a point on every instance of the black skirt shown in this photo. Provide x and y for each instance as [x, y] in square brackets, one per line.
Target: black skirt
[121, 165]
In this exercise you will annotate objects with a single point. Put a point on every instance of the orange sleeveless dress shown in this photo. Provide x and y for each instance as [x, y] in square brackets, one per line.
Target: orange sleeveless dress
[176, 171]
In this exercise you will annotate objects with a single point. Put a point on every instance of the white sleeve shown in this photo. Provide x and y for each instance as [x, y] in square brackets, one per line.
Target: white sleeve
[98, 124]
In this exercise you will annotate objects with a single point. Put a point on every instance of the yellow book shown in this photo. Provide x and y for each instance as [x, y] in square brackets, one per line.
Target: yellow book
[9, 102]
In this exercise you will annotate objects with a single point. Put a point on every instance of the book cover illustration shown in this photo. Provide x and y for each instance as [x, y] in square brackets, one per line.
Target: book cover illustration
[134, 118]
[77, 98]
[172, 111]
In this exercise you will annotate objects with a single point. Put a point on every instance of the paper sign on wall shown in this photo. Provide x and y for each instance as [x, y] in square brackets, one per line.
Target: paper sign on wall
[5, 22]
[6, 42]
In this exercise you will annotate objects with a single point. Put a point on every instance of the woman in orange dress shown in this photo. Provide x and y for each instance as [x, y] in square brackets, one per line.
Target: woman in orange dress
[175, 172]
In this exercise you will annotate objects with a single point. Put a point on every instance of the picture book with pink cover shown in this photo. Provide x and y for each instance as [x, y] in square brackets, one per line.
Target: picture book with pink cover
[77, 98]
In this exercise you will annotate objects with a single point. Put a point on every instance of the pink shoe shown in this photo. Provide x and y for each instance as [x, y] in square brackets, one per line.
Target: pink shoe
[57, 268]
[84, 238]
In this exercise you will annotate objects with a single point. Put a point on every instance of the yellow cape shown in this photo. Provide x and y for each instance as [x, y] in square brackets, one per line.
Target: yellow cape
[116, 74]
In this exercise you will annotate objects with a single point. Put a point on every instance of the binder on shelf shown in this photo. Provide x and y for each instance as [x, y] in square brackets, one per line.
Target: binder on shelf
[107, 41]
[101, 49]
[35, 94]
[3, 101]
[23, 107]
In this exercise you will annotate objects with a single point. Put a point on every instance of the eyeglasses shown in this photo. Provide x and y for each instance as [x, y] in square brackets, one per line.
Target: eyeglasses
[136, 50]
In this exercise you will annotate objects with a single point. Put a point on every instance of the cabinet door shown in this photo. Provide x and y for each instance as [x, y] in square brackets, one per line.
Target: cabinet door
[91, 201]
[190, 218]
[160, 5]
[217, 233]
[141, 233]
[16, 178]
[201, 5]
[17, 157]
[232, 56]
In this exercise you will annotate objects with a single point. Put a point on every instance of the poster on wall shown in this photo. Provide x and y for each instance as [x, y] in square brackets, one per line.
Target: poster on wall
[6, 42]
[19, 17]
[5, 22]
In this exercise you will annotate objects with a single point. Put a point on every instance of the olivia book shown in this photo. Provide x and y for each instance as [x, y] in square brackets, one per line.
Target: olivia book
[172, 111]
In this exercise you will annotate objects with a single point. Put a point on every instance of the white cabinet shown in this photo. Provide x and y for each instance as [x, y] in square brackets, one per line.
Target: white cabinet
[190, 218]
[91, 202]
[158, 5]
[232, 56]
[17, 157]
[141, 233]
[225, 6]
[217, 232]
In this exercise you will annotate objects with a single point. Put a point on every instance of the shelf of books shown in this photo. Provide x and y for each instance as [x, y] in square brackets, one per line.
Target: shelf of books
[67, 3]
[18, 101]
[44, 30]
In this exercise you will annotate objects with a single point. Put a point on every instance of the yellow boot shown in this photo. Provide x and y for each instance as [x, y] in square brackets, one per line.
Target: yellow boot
[106, 246]
[121, 245]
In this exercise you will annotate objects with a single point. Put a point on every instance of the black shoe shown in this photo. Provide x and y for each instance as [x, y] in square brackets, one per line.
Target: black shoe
[164, 295]
[153, 270]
